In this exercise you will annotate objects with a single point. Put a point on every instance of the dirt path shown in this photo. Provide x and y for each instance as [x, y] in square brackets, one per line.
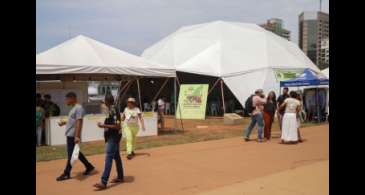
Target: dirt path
[192, 168]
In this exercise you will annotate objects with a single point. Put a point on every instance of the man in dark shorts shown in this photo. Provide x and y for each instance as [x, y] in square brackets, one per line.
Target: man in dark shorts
[73, 135]
[280, 101]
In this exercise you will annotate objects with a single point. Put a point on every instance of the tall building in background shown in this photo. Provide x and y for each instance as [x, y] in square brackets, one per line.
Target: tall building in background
[324, 53]
[276, 26]
[313, 34]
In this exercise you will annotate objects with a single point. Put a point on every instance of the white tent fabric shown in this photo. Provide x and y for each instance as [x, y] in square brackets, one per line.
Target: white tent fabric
[326, 72]
[83, 55]
[245, 55]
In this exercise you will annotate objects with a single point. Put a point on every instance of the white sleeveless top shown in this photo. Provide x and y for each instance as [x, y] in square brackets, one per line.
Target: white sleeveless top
[291, 105]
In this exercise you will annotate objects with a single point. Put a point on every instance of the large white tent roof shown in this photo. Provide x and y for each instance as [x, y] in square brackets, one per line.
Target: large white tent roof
[245, 55]
[83, 55]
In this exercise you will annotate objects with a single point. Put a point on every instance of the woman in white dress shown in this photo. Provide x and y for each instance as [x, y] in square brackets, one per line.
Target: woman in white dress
[292, 106]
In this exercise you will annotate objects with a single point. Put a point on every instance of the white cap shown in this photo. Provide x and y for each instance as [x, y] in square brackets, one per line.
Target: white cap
[131, 100]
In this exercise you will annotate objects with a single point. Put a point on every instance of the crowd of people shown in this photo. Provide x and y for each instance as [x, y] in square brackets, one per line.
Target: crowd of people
[45, 108]
[262, 112]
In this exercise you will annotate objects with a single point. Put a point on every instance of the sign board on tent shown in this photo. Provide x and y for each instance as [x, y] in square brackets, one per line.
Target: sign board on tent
[192, 101]
[283, 75]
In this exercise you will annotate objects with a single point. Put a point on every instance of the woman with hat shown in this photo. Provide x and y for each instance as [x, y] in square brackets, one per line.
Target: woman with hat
[130, 116]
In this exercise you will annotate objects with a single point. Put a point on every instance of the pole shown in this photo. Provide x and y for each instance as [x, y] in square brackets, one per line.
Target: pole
[175, 124]
[211, 89]
[224, 106]
[318, 110]
[159, 91]
[139, 95]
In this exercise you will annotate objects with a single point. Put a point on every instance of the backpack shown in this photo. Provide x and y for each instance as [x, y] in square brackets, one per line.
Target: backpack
[249, 105]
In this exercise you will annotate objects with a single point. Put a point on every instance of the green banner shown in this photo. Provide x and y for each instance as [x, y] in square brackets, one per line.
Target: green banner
[283, 75]
[192, 101]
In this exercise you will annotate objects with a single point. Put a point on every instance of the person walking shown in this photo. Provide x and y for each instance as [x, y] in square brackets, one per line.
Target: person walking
[289, 133]
[73, 135]
[269, 114]
[160, 110]
[280, 101]
[130, 116]
[258, 101]
[112, 135]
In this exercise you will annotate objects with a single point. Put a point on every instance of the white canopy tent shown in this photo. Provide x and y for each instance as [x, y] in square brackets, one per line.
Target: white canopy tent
[244, 55]
[326, 72]
[83, 55]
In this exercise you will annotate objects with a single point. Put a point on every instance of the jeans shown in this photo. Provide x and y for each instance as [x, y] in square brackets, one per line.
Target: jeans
[70, 149]
[112, 151]
[257, 118]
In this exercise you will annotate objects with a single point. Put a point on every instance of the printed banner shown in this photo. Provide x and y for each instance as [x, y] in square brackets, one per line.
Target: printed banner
[192, 101]
[283, 75]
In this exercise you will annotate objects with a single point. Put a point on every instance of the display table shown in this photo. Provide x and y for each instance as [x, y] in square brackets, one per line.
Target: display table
[55, 135]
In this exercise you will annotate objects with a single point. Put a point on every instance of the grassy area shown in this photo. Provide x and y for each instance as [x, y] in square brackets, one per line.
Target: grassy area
[214, 129]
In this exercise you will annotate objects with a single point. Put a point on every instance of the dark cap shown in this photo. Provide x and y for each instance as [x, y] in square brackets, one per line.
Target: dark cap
[71, 94]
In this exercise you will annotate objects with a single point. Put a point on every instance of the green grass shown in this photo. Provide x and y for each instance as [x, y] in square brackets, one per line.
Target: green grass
[46, 153]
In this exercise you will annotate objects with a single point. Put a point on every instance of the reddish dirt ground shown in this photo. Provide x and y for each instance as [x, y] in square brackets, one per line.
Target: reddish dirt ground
[192, 168]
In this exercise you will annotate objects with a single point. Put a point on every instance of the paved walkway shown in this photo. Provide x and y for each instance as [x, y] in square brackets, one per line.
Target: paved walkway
[213, 167]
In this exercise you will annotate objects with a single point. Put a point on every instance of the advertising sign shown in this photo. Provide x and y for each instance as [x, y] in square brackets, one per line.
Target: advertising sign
[283, 75]
[192, 101]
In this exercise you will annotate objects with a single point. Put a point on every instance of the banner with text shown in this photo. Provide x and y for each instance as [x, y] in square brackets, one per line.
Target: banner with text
[283, 75]
[192, 101]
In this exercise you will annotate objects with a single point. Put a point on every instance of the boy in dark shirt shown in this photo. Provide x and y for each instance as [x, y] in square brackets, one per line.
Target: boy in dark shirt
[112, 135]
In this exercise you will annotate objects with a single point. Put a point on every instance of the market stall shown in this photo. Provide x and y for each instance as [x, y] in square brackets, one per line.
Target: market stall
[314, 80]
[85, 59]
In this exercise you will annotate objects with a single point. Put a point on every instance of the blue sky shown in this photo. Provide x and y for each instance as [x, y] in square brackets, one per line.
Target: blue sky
[133, 25]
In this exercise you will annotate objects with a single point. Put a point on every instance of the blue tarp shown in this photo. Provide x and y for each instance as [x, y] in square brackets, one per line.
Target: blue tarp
[308, 78]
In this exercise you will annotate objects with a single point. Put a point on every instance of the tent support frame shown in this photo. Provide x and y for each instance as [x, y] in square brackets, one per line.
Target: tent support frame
[222, 91]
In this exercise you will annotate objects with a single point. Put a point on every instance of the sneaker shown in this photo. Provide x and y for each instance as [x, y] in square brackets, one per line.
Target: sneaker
[129, 156]
[100, 186]
[88, 170]
[117, 180]
[247, 139]
[260, 140]
[63, 177]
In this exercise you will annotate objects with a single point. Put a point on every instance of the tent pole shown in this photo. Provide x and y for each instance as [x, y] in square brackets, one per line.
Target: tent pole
[224, 106]
[121, 88]
[139, 96]
[178, 104]
[159, 91]
[175, 124]
[125, 92]
[317, 102]
[211, 89]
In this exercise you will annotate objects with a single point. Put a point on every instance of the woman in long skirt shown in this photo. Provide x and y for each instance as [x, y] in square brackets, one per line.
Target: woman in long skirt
[130, 116]
[289, 132]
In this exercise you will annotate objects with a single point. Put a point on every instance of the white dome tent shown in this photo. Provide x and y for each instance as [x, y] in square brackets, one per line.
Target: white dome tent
[244, 55]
